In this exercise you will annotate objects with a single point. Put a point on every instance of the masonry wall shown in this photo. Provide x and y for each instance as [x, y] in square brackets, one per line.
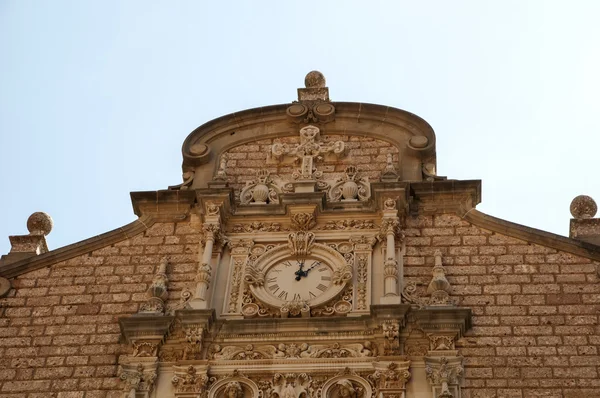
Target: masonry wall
[535, 310]
[535, 326]
[59, 335]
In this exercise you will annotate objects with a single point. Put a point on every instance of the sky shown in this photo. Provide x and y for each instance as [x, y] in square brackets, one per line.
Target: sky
[97, 97]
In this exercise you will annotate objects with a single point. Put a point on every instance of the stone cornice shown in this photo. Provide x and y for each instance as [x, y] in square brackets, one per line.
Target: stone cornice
[76, 249]
[163, 205]
[532, 235]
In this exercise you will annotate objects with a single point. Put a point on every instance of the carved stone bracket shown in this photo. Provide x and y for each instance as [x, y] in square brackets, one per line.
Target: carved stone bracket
[145, 333]
[194, 325]
[300, 243]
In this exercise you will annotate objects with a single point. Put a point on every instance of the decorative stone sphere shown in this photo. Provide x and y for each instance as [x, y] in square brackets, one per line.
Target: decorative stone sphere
[583, 206]
[39, 223]
[314, 79]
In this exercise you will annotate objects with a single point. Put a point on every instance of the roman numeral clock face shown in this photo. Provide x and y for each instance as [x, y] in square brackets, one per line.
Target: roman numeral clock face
[301, 280]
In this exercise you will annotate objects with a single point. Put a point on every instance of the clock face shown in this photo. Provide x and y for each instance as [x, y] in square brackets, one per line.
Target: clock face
[298, 280]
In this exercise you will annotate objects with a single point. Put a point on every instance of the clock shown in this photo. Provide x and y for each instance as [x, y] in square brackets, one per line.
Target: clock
[281, 277]
[298, 279]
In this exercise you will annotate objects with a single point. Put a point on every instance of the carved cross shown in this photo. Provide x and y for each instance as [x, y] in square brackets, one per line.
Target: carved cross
[308, 150]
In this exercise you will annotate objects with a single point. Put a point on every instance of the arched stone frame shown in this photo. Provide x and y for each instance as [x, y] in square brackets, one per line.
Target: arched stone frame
[412, 135]
[319, 251]
[249, 388]
[331, 386]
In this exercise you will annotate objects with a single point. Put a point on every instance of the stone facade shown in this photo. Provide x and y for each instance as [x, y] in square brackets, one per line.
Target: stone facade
[428, 297]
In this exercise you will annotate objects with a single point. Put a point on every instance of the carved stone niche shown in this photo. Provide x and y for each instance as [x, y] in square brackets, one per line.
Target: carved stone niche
[236, 386]
[347, 386]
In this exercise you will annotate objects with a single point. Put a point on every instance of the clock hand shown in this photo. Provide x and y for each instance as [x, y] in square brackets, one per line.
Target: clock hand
[300, 273]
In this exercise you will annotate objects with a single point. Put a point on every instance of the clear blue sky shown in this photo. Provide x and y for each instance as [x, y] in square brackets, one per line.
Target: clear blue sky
[96, 97]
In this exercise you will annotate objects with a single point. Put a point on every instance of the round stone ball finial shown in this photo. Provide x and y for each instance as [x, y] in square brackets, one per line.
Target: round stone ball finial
[583, 206]
[39, 223]
[314, 79]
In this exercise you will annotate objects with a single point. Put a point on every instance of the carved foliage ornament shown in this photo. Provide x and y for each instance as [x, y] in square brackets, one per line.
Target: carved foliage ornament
[190, 380]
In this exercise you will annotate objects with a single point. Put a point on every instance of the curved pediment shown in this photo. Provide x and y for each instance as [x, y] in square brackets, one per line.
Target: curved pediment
[246, 139]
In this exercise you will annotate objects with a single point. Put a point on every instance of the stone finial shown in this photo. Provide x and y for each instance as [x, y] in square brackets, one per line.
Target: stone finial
[315, 90]
[583, 225]
[583, 206]
[314, 79]
[39, 223]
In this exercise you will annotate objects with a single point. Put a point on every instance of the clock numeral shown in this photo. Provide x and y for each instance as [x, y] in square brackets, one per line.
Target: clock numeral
[297, 297]
[322, 287]
[273, 279]
[283, 295]
[322, 269]
[311, 294]
[275, 270]
[325, 278]
[288, 264]
[274, 288]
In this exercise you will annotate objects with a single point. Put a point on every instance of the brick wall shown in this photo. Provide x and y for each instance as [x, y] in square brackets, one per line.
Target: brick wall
[535, 310]
[535, 326]
[367, 154]
[59, 335]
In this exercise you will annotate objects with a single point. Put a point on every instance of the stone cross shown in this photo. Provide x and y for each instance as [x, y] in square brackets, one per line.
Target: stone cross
[308, 150]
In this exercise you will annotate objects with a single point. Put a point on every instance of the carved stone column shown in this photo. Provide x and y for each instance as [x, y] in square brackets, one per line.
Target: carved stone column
[240, 250]
[389, 231]
[137, 376]
[363, 254]
[190, 382]
[390, 379]
[212, 233]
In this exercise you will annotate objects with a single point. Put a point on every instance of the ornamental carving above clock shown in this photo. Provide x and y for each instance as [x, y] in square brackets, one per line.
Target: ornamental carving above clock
[302, 275]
